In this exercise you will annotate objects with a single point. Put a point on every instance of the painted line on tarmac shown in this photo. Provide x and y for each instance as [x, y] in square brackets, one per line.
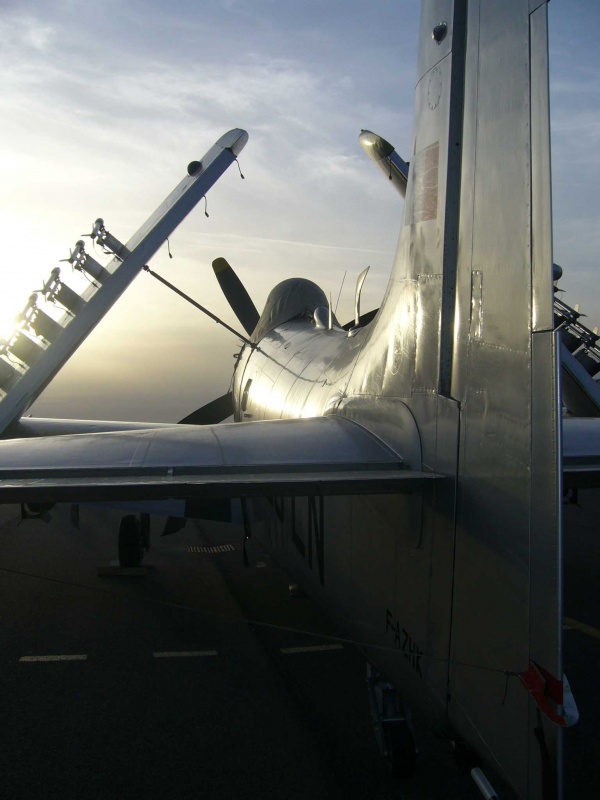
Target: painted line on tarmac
[575, 625]
[32, 659]
[315, 649]
[186, 654]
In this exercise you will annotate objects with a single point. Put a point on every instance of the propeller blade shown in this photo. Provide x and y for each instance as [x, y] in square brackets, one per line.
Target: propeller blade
[212, 413]
[236, 294]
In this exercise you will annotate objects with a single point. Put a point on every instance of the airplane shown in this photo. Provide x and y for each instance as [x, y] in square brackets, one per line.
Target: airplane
[408, 468]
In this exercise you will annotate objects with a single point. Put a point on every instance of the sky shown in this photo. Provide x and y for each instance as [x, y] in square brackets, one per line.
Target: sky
[103, 106]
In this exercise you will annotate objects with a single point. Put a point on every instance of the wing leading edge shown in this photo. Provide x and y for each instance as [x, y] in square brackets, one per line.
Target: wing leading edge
[325, 456]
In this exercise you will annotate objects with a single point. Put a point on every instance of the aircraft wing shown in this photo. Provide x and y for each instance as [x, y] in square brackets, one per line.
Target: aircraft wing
[325, 455]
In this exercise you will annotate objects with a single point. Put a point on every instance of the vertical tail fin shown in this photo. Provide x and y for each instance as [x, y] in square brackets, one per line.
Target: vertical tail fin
[467, 342]
[498, 360]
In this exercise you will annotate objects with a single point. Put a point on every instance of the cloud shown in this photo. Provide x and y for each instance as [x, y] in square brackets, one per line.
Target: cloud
[103, 108]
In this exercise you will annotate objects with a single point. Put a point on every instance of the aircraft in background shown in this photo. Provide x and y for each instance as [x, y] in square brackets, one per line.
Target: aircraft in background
[408, 468]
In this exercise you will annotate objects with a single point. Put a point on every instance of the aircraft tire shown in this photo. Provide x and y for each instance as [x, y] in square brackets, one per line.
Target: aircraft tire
[402, 753]
[131, 545]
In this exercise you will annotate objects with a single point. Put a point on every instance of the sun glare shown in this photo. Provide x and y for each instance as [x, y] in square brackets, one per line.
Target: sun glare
[24, 267]
[14, 295]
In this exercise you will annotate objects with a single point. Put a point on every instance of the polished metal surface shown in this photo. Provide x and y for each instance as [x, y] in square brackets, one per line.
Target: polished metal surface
[386, 158]
[541, 195]
[295, 297]
[509, 450]
[325, 455]
[453, 587]
[332, 441]
[44, 426]
[467, 314]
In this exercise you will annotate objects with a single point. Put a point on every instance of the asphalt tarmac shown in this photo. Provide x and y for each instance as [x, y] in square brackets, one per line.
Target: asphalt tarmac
[195, 681]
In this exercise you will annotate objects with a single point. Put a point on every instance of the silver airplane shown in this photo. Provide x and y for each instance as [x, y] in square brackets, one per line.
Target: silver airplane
[408, 468]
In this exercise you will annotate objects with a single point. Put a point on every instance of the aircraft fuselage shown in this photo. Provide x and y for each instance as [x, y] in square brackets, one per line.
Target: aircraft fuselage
[297, 370]
[362, 560]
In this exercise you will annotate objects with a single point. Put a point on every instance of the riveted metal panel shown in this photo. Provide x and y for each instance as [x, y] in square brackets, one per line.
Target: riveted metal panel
[428, 332]
[430, 53]
[475, 580]
[440, 518]
[508, 402]
[391, 342]
[542, 295]
[463, 304]
[546, 535]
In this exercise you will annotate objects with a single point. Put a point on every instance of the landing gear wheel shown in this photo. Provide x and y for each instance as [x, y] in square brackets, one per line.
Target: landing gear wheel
[131, 542]
[401, 751]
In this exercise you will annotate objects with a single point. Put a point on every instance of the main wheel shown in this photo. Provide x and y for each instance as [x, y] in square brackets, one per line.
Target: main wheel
[131, 543]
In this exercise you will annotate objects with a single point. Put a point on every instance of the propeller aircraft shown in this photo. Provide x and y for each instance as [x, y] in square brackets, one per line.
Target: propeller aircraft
[407, 468]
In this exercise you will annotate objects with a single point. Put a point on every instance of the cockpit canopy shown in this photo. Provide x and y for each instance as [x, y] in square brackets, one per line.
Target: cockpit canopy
[290, 299]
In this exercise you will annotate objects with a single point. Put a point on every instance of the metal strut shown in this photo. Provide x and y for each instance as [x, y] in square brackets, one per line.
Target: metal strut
[208, 313]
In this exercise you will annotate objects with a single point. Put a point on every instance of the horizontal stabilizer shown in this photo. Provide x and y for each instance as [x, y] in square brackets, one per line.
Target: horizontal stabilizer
[326, 456]
[28, 427]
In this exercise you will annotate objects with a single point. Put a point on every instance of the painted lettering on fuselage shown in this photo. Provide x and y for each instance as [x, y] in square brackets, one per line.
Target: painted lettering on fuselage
[404, 642]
